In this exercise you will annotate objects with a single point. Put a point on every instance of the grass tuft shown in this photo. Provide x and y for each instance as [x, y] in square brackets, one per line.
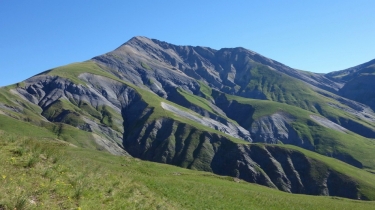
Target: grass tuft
[21, 203]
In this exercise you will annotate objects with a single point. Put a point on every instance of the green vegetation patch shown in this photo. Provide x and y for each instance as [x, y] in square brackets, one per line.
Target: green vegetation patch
[205, 90]
[23, 128]
[108, 117]
[199, 101]
[72, 71]
[277, 86]
[48, 131]
[145, 66]
[86, 107]
[63, 111]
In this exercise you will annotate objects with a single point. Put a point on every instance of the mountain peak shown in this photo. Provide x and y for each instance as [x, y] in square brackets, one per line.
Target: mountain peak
[136, 40]
[139, 38]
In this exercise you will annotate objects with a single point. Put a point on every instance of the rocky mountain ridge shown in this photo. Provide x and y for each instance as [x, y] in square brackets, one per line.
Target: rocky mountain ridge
[200, 108]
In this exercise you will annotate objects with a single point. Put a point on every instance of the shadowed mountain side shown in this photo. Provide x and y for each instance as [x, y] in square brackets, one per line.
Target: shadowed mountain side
[168, 141]
[358, 83]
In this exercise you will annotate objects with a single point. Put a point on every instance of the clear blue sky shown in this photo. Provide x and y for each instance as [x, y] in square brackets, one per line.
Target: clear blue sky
[316, 35]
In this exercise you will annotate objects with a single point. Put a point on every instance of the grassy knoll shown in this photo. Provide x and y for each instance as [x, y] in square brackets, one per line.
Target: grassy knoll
[46, 174]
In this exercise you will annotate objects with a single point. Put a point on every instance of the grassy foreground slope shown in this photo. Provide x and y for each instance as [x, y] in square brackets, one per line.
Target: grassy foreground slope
[45, 174]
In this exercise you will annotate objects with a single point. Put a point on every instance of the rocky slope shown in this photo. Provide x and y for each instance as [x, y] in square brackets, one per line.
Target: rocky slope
[200, 108]
[170, 142]
[162, 67]
[361, 89]
[358, 83]
[353, 72]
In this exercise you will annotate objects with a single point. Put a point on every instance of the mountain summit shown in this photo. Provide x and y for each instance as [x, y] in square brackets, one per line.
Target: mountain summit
[231, 111]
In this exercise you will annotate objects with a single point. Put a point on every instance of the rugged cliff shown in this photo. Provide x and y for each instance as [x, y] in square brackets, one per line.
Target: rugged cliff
[171, 142]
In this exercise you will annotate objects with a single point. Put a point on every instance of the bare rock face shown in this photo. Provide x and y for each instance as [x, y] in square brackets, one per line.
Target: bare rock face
[131, 62]
[45, 91]
[277, 128]
[225, 127]
[328, 124]
[163, 67]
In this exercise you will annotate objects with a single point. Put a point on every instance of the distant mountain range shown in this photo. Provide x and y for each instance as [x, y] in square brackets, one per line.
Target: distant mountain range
[231, 111]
